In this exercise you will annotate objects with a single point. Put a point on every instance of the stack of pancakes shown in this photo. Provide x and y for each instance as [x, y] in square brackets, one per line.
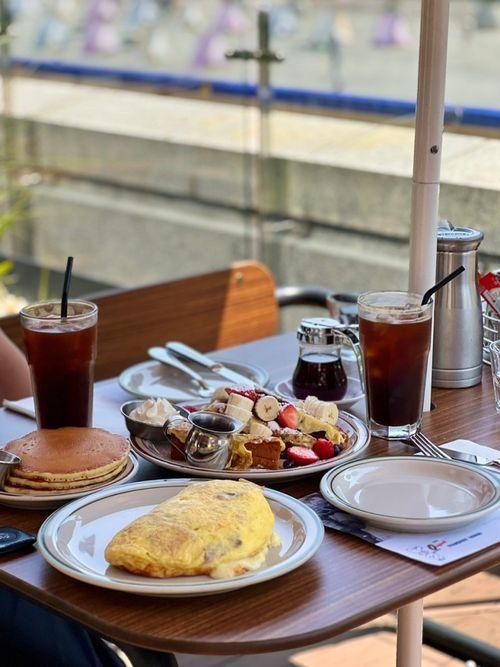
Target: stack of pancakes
[65, 459]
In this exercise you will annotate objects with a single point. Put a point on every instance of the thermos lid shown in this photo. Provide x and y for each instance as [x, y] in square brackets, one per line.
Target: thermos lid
[457, 239]
[318, 330]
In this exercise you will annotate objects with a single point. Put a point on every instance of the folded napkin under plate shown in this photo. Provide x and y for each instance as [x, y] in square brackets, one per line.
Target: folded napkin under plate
[484, 454]
[430, 548]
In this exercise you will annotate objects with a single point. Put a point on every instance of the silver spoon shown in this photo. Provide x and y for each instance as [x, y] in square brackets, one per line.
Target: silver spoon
[161, 354]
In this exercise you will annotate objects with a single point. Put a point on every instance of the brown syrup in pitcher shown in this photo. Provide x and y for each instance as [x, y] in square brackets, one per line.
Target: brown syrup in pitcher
[320, 375]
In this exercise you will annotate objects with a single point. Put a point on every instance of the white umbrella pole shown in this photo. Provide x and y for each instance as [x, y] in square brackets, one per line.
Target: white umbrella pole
[427, 151]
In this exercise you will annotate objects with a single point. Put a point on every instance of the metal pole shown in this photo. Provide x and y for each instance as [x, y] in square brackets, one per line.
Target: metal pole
[429, 124]
[264, 100]
[7, 127]
[264, 88]
[409, 640]
[264, 57]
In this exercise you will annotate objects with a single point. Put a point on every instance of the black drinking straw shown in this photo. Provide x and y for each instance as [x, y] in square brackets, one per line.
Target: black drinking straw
[441, 283]
[65, 292]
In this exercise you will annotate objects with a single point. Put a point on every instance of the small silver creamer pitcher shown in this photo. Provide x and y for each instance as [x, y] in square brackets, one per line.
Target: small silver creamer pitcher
[7, 462]
[207, 443]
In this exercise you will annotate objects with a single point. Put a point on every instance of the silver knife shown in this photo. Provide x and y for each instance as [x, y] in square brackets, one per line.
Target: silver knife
[187, 352]
[161, 354]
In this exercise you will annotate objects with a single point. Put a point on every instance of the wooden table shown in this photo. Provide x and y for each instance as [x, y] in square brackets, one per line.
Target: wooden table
[347, 583]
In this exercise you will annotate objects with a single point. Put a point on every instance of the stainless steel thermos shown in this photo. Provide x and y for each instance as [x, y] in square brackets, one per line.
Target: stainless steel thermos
[458, 326]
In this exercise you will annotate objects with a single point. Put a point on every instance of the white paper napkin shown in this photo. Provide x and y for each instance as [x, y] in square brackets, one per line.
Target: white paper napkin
[23, 407]
[470, 447]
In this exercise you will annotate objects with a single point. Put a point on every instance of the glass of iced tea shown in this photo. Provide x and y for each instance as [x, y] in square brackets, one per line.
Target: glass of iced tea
[61, 354]
[395, 337]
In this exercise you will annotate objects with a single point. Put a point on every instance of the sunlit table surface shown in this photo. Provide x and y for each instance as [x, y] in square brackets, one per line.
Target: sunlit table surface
[347, 583]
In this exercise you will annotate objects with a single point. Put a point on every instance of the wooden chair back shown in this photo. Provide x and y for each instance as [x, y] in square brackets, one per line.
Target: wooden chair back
[208, 311]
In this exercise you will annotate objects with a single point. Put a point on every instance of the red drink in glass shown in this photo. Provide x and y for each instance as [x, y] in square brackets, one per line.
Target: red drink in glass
[395, 334]
[61, 355]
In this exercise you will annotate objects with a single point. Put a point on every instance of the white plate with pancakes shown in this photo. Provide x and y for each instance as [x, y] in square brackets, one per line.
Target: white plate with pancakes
[358, 439]
[63, 464]
[73, 540]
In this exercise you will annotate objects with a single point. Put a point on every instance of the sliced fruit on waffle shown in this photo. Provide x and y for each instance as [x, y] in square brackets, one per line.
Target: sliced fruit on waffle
[258, 428]
[293, 437]
[309, 424]
[240, 458]
[266, 452]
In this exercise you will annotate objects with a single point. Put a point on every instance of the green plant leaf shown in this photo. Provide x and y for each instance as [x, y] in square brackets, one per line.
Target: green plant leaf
[6, 267]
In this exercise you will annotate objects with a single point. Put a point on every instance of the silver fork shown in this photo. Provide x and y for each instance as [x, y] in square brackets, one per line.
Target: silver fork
[427, 447]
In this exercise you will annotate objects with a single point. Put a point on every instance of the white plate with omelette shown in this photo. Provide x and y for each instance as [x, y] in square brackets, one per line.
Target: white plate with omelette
[76, 539]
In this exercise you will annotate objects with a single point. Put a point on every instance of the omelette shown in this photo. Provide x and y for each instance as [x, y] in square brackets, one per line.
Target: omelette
[220, 528]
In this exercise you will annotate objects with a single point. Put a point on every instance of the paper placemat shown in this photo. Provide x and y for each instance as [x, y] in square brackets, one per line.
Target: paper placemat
[430, 548]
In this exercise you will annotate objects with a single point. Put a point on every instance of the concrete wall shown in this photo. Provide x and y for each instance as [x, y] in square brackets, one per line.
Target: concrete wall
[141, 188]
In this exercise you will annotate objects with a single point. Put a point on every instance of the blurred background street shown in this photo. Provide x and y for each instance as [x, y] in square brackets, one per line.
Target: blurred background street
[363, 47]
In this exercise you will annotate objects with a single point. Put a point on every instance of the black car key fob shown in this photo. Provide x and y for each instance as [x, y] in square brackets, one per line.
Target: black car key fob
[12, 539]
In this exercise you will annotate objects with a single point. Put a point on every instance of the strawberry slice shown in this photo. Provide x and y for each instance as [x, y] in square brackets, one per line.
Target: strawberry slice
[249, 393]
[288, 417]
[324, 448]
[302, 456]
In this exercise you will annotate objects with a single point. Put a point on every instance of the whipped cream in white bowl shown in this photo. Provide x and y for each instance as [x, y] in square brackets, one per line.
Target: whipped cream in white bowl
[145, 418]
[153, 411]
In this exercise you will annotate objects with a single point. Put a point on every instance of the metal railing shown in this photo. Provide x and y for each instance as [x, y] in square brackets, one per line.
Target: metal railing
[292, 97]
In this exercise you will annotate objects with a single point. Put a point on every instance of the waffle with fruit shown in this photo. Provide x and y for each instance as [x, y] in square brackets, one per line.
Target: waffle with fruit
[277, 434]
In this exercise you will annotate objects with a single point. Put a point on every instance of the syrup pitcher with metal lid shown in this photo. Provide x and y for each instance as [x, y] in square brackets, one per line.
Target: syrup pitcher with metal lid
[319, 370]
[458, 326]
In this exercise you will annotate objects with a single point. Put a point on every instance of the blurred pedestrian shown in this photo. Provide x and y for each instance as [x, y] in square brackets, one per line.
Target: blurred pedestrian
[212, 45]
[391, 28]
[485, 16]
[57, 24]
[101, 31]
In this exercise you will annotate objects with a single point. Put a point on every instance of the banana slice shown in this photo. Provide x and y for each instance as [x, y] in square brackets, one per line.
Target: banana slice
[221, 394]
[324, 410]
[309, 404]
[257, 428]
[240, 401]
[267, 408]
[327, 412]
[237, 412]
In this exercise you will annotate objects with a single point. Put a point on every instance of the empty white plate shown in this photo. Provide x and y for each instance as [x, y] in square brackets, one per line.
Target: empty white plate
[353, 394]
[74, 538]
[412, 494]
